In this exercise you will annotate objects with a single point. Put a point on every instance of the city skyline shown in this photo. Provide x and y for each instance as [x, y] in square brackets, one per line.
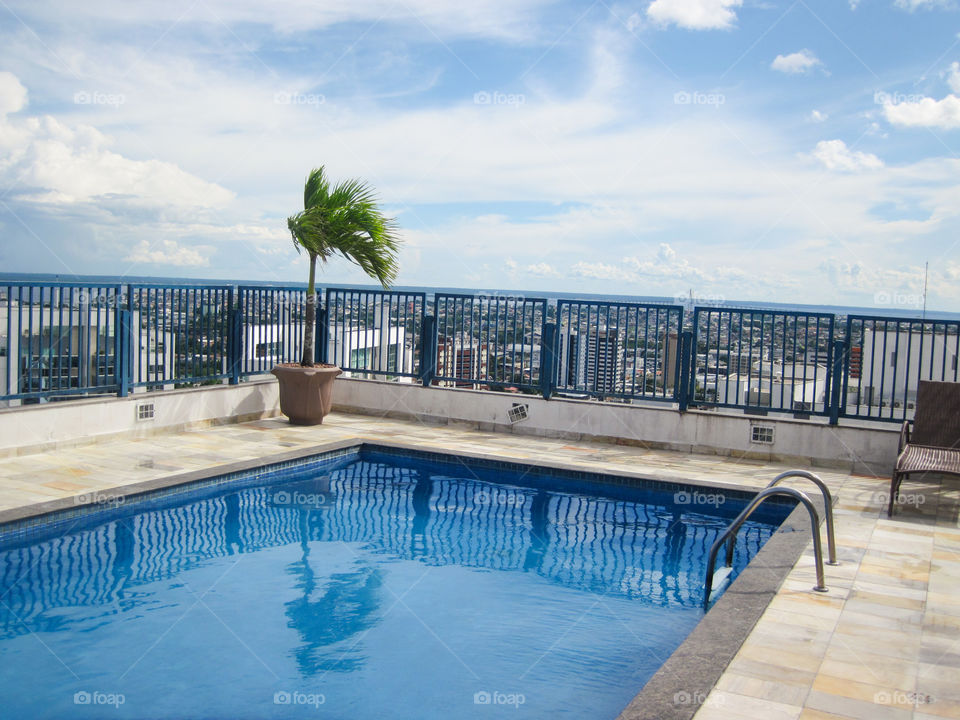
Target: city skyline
[778, 152]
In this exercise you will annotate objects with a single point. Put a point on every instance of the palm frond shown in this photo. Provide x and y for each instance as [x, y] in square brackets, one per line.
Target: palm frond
[346, 221]
[316, 190]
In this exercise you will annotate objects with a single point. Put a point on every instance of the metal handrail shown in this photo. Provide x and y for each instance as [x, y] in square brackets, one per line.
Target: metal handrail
[827, 504]
[732, 529]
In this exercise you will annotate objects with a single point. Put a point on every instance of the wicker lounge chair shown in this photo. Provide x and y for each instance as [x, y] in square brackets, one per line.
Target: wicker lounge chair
[934, 444]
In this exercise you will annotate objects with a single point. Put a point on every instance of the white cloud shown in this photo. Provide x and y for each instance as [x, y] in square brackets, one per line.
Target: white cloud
[835, 155]
[170, 253]
[953, 76]
[868, 277]
[44, 160]
[542, 269]
[927, 112]
[796, 63]
[912, 5]
[817, 116]
[602, 271]
[13, 95]
[665, 253]
[484, 18]
[664, 271]
[695, 14]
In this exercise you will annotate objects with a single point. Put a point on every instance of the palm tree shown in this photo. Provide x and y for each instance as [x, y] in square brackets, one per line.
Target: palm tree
[345, 220]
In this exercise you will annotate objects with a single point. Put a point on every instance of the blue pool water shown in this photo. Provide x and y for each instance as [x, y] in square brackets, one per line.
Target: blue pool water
[364, 586]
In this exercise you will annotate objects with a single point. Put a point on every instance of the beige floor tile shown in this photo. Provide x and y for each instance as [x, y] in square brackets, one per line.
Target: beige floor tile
[724, 705]
[895, 697]
[775, 691]
[858, 709]
[781, 673]
[870, 671]
[810, 714]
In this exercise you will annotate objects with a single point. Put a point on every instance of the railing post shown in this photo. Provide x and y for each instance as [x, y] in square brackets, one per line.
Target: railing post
[428, 350]
[235, 344]
[123, 344]
[548, 360]
[321, 333]
[685, 383]
[838, 381]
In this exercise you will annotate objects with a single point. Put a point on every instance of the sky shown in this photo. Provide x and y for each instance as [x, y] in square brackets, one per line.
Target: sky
[798, 152]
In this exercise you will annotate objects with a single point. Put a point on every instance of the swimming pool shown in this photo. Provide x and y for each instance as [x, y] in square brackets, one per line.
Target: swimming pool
[361, 584]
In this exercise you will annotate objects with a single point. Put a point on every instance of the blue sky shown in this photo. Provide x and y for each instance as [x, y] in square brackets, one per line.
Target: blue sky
[779, 151]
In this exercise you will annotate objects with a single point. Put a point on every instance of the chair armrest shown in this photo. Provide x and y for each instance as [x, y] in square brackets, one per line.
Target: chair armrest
[904, 436]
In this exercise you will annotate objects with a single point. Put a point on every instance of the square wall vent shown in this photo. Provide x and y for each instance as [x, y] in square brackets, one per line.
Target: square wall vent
[762, 434]
[144, 411]
[517, 412]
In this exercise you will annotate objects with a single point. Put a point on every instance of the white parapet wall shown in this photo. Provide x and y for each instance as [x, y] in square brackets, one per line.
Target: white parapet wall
[868, 448]
[34, 428]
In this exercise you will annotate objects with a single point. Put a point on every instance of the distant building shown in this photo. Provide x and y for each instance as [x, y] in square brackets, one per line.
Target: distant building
[572, 360]
[380, 350]
[594, 361]
[516, 362]
[792, 387]
[888, 364]
[72, 350]
[267, 345]
[463, 357]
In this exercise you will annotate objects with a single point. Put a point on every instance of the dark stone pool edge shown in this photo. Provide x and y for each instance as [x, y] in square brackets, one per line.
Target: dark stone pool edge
[676, 691]
[681, 685]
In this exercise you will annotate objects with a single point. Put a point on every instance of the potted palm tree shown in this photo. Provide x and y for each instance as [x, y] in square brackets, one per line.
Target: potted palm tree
[342, 219]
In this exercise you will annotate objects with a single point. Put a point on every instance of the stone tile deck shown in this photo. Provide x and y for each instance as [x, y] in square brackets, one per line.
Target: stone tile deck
[884, 642]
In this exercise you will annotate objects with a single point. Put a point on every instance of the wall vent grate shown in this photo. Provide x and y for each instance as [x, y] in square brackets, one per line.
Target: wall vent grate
[144, 411]
[762, 434]
[517, 412]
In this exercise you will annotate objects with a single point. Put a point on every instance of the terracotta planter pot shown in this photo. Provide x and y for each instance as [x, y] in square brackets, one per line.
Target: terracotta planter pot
[306, 393]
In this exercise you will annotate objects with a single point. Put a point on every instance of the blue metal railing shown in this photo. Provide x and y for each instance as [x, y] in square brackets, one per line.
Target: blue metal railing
[180, 334]
[270, 327]
[58, 339]
[762, 360]
[885, 358]
[489, 340]
[65, 339]
[373, 332]
[621, 350]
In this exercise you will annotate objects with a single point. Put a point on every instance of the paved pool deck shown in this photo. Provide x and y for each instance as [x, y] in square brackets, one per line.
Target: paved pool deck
[884, 642]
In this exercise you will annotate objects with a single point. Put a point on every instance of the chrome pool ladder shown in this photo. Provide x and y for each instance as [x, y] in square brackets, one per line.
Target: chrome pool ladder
[730, 534]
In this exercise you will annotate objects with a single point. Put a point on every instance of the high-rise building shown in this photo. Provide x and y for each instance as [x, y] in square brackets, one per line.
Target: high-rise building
[593, 362]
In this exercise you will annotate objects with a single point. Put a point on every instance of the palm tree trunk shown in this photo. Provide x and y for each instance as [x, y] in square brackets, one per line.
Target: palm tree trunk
[310, 316]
